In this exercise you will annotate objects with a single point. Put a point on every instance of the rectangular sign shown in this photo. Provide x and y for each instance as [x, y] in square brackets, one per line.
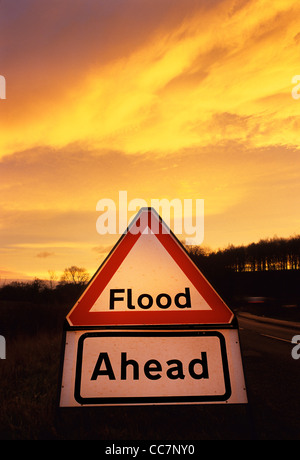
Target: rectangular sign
[128, 368]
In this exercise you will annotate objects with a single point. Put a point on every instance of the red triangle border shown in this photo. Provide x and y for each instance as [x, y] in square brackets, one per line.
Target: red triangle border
[81, 316]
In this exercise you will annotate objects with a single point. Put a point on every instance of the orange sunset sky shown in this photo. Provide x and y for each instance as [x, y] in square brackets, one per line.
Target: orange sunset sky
[159, 98]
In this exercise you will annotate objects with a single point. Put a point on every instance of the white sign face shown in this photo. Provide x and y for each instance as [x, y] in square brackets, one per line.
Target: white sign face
[158, 367]
[149, 280]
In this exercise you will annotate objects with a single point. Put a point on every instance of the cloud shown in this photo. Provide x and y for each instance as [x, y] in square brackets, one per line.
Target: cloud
[57, 190]
[103, 249]
[145, 76]
[45, 254]
[46, 227]
[7, 275]
[48, 197]
[161, 98]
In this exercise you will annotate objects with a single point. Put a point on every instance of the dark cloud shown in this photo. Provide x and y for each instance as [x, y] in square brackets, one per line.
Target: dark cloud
[75, 33]
[42, 227]
[8, 276]
[45, 254]
[64, 38]
[103, 249]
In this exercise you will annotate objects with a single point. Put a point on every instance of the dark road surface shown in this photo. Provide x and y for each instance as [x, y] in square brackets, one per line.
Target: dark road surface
[272, 377]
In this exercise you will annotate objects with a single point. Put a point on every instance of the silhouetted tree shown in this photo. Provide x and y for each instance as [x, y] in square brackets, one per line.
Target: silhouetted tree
[75, 275]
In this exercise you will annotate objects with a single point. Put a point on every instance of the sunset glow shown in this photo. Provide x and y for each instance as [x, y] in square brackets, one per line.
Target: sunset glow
[162, 98]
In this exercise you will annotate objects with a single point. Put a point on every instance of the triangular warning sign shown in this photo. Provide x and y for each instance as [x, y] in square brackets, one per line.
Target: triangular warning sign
[149, 279]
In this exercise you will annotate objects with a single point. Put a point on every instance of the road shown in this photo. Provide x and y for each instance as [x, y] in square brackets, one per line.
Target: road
[272, 377]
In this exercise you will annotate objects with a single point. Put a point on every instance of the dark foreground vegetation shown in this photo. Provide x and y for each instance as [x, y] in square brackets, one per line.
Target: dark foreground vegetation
[31, 320]
[32, 308]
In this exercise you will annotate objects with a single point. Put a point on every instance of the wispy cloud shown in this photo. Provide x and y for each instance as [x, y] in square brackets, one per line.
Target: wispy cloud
[166, 81]
[45, 254]
[103, 249]
[162, 98]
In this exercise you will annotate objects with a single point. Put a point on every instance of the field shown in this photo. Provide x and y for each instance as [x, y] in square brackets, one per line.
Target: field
[28, 406]
[29, 393]
[30, 377]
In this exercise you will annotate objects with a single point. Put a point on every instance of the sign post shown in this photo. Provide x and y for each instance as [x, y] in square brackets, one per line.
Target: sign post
[150, 329]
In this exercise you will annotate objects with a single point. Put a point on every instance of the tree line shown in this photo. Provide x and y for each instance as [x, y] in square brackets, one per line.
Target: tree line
[67, 289]
[271, 254]
[266, 255]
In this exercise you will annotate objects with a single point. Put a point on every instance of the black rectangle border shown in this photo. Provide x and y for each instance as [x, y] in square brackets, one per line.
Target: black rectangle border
[98, 401]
